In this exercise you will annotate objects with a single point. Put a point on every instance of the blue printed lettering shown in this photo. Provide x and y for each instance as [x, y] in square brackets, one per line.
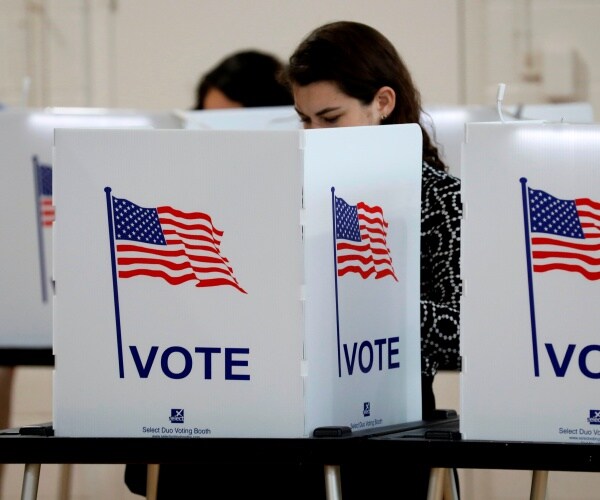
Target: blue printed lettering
[365, 346]
[381, 353]
[350, 362]
[560, 367]
[187, 362]
[583, 366]
[393, 351]
[232, 361]
[208, 352]
[143, 369]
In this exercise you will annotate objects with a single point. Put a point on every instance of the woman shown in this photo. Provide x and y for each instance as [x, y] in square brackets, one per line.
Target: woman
[348, 74]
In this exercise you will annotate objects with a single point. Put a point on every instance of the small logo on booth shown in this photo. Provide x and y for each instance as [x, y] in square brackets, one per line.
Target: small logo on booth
[594, 417]
[176, 416]
[367, 409]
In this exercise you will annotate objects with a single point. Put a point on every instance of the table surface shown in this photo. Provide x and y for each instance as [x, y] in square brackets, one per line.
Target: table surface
[26, 356]
[435, 443]
[429, 445]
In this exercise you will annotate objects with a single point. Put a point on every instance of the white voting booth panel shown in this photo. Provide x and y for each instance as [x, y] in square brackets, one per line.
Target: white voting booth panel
[26, 211]
[201, 289]
[446, 126]
[446, 123]
[531, 276]
[572, 112]
[259, 118]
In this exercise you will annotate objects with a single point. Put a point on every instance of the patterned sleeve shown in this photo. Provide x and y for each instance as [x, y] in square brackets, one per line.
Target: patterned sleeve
[441, 212]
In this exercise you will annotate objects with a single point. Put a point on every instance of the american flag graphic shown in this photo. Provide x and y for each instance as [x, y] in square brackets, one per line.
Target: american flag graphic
[45, 206]
[170, 244]
[361, 240]
[565, 234]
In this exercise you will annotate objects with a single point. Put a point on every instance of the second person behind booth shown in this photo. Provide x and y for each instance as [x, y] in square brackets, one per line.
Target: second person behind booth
[244, 79]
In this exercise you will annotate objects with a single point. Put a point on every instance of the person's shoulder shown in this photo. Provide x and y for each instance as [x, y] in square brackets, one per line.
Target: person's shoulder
[439, 178]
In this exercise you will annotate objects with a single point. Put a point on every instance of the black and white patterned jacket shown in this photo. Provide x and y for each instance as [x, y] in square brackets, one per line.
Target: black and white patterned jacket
[441, 212]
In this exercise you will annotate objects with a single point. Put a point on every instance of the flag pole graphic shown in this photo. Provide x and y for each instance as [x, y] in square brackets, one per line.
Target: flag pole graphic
[337, 317]
[536, 366]
[113, 261]
[40, 229]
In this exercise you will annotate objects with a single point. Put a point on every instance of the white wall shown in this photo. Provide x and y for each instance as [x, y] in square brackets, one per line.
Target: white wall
[140, 54]
[161, 63]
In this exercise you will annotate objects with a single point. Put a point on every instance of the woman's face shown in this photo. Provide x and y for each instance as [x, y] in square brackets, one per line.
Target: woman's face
[324, 105]
[215, 99]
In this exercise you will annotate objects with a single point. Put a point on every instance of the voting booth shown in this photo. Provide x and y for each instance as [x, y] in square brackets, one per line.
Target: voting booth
[27, 211]
[256, 118]
[531, 278]
[236, 283]
[446, 123]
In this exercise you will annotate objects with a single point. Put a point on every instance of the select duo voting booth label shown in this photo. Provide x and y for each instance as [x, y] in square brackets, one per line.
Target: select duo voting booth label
[531, 275]
[236, 283]
[27, 212]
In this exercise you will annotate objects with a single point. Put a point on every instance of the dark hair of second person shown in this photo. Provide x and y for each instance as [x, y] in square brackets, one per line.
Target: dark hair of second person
[244, 79]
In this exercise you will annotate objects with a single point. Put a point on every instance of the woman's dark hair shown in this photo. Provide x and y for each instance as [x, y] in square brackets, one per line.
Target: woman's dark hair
[360, 60]
[249, 77]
